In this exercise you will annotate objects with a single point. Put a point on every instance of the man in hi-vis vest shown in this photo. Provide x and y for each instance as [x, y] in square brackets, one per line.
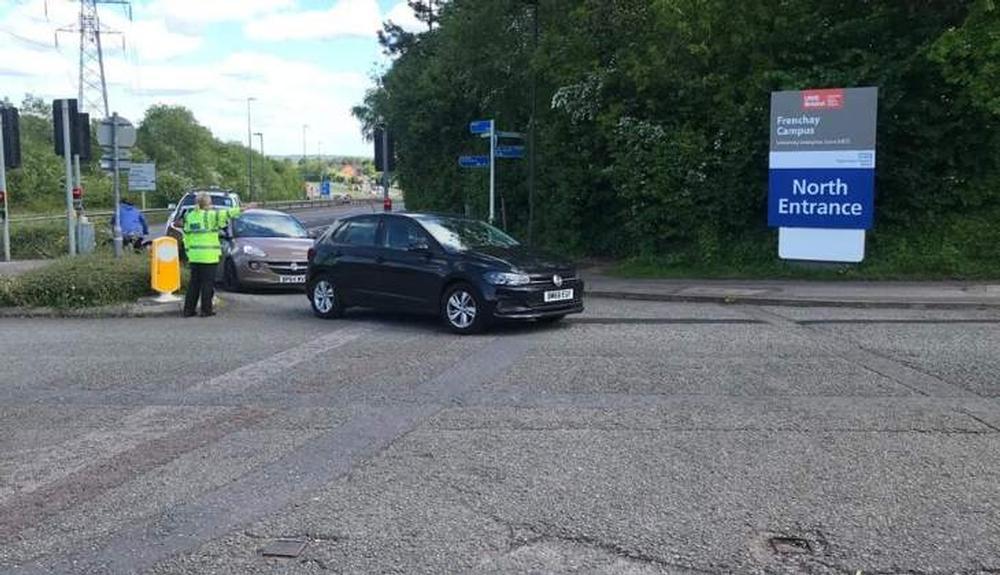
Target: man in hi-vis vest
[203, 248]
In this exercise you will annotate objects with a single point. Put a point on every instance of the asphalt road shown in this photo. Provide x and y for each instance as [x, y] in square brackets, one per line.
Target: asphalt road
[638, 438]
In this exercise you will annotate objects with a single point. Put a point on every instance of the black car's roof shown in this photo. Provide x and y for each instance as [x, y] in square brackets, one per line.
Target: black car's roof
[413, 215]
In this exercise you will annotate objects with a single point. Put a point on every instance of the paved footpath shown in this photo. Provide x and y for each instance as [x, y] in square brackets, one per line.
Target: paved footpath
[640, 438]
[802, 293]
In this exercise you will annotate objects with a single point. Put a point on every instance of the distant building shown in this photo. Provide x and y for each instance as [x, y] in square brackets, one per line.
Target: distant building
[348, 172]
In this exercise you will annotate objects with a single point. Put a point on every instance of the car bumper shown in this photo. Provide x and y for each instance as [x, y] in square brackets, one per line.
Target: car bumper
[528, 302]
[263, 274]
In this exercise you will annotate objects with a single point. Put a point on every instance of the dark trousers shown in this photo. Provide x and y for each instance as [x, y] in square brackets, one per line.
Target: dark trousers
[203, 285]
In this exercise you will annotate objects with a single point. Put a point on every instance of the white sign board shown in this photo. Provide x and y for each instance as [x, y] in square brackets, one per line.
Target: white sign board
[125, 136]
[142, 178]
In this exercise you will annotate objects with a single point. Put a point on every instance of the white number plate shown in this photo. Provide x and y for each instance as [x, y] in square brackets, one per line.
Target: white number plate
[558, 295]
[291, 279]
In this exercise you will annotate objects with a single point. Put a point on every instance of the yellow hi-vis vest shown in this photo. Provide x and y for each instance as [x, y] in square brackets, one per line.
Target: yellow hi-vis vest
[201, 233]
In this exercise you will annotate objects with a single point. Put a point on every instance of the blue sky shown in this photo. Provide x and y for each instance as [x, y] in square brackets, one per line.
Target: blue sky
[304, 62]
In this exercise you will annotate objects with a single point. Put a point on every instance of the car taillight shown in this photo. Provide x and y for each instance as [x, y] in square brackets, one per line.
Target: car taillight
[310, 254]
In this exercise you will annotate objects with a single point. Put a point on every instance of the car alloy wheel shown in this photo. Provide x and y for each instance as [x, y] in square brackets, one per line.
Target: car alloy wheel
[462, 310]
[324, 299]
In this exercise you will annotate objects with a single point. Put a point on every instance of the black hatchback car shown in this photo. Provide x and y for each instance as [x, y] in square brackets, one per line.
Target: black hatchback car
[467, 271]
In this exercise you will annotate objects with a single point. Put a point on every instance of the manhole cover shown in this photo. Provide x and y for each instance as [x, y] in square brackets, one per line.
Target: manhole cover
[283, 548]
[790, 545]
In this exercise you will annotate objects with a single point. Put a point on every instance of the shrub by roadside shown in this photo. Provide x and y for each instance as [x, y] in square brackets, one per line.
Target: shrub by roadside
[84, 281]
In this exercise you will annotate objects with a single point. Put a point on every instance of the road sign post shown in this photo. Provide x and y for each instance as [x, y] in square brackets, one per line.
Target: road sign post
[493, 170]
[3, 192]
[68, 157]
[116, 135]
[487, 129]
[386, 203]
[117, 189]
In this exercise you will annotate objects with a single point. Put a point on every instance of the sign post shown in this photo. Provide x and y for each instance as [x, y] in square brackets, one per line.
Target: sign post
[116, 135]
[493, 171]
[821, 181]
[488, 129]
[68, 156]
[3, 192]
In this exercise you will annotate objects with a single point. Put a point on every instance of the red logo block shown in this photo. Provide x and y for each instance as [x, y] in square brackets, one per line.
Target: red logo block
[823, 99]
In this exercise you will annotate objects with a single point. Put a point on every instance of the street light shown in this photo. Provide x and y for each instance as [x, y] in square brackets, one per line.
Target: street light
[249, 152]
[304, 128]
[260, 135]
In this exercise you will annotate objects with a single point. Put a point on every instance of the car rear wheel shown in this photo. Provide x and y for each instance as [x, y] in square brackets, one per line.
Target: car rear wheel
[463, 311]
[230, 277]
[325, 299]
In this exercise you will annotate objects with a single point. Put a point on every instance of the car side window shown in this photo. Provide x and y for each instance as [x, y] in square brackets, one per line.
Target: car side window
[401, 234]
[360, 232]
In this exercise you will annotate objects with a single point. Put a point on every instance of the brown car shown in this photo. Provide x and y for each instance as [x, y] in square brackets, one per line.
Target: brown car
[264, 248]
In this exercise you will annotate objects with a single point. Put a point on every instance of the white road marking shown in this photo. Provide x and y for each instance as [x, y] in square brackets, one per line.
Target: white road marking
[245, 377]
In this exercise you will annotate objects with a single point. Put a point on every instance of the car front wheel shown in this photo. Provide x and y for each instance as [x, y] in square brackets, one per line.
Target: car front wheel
[230, 277]
[463, 311]
[325, 298]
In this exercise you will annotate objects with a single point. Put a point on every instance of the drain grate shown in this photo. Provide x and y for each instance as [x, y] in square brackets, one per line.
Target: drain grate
[283, 548]
[790, 545]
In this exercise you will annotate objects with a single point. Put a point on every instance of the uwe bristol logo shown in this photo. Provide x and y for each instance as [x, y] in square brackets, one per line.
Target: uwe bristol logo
[823, 99]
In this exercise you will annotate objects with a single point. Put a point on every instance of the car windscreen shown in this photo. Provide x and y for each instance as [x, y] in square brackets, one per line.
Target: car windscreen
[460, 234]
[268, 226]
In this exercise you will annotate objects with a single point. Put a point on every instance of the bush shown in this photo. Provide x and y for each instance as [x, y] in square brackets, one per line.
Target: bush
[33, 241]
[83, 281]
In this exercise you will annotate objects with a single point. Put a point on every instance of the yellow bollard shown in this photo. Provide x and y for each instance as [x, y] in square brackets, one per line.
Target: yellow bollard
[165, 268]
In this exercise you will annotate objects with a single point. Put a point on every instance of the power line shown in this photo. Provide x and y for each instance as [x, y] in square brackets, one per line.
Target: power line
[92, 83]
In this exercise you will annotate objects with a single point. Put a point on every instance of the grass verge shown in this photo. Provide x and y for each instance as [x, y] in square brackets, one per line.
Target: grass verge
[966, 249]
[84, 281]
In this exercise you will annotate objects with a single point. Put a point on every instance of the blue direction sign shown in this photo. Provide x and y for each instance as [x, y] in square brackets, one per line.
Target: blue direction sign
[510, 152]
[474, 161]
[325, 189]
[481, 126]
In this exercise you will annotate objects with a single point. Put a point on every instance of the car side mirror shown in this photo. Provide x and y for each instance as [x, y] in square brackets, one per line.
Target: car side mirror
[420, 248]
[315, 233]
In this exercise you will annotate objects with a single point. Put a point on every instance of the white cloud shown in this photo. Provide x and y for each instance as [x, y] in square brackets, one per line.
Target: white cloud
[402, 15]
[289, 92]
[154, 41]
[186, 13]
[344, 18]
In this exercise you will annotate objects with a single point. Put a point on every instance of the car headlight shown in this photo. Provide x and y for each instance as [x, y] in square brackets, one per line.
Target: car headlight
[254, 251]
[507, 279]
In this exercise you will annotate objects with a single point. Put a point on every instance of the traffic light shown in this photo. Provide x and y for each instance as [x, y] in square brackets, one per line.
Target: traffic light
[384, 137]
[11, 137]
[82, 144]
[57, 123]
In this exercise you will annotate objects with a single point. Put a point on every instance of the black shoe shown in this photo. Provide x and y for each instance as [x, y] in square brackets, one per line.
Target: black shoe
[189, 314]
[207, 314]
